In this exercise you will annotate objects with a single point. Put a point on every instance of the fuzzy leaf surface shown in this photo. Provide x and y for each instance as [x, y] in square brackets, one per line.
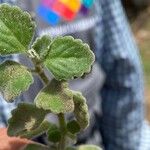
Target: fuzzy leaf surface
[89, 147]
[71, 148]
[14, 79]
[25, 118]
[73, 126]
[69, 58]
[42, 46]
[36, 146]
[81, 110]
[56, 97]
[16, 30]
[44, 126]
[54, 134]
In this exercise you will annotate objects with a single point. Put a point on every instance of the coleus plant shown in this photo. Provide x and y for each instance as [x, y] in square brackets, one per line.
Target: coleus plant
[66, 58]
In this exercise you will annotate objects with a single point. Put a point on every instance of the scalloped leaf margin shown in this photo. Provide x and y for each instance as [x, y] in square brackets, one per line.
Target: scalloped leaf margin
[69, 58]
[25, 119]
[14, 79]
[42, 46]
[55, 97]
[16, 29]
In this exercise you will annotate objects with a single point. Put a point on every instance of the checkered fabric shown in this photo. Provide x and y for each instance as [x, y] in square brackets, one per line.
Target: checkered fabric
[122, 93]
[8, 1]
[5, 109]
[121, 123]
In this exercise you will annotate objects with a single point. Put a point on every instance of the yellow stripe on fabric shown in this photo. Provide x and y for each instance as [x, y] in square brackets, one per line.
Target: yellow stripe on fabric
[73, 5]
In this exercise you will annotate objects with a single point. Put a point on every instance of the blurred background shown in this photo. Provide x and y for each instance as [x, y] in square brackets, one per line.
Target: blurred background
[138, 12]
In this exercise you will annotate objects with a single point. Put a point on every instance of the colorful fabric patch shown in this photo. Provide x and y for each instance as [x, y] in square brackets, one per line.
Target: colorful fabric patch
[87, 3]
[74, 5]
[63, 11]
[53, 10]
[48, 15]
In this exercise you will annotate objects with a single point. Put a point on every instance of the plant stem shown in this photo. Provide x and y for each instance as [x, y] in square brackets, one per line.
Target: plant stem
[62, 123]
[39, 69]
[42, 75]
[38, 66]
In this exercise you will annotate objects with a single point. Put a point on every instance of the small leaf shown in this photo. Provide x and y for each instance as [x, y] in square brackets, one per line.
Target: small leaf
[54, 134]
[36, 146]
[81, 110]
[71, 148]
[73, 127]
[25, 118]
[42, 46]
[69, 58]
[56, 97]
[71, 138]
[14, 79]
[89, 147]
[16, 29]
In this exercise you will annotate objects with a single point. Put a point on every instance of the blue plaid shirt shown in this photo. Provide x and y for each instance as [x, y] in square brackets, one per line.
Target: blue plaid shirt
[122, 93]
[122, 123]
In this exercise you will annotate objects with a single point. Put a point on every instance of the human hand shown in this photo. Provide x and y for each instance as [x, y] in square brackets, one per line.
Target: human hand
[11, 143]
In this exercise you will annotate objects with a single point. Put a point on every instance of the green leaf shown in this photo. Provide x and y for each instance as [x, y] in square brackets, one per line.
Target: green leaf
[73, 127]
[16, 30]
[14, 79]
[42, 46]
[44, 126]
[89, 147]
[71, 148]
[56, 97]
[69, 58]
[81, 110]
[25, 118]
[36, 146]
[54, 134]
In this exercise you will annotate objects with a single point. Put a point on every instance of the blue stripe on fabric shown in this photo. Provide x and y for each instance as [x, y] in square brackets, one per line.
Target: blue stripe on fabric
[48, 15]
